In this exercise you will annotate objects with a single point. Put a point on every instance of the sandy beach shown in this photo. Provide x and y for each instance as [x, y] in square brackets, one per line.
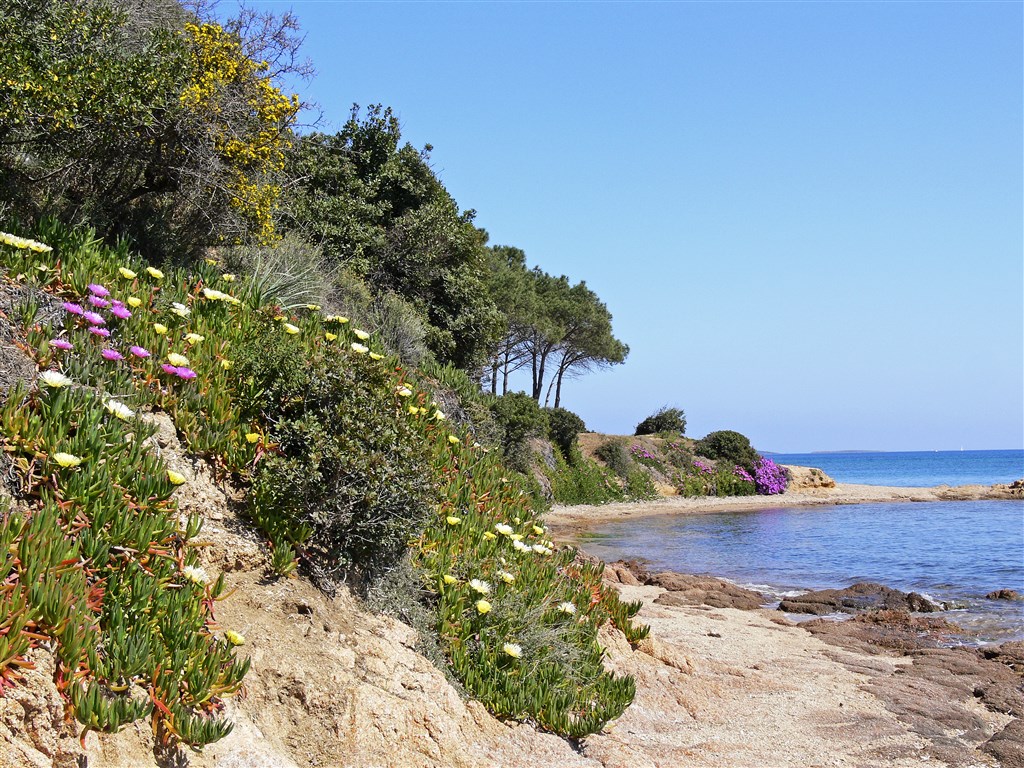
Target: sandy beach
[568, 522]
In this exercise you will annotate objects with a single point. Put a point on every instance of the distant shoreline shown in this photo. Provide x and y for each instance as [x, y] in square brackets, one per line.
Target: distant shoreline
[567, 522]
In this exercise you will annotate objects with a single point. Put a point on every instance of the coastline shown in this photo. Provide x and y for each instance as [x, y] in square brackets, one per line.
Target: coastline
[568, 522]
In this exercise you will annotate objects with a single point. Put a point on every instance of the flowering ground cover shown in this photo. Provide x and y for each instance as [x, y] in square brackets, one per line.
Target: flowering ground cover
[349, 463]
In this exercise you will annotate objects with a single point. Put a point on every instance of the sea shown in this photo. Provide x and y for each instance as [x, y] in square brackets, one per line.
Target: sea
[954, 552]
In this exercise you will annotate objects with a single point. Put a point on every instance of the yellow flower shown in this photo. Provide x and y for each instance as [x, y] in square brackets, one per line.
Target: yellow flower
[482, 606]
[403, 391]
[453, 440]
[134, 301]
[360, 349]
[126, 273]
[178, 360]
[413, 410]
[160, 328]
[507, 577]
[489, 536]
[289, 328]
[313, 307]
[234, 637]
[228, 277]
[226, 364]
[439, 416]
[361, 335]
[194, 338]
[215, 295]
[154, 272]
[175, 477]
[211, 262]
[516, 537]
[341, 320]
[375, 356]
[538, 530]
[67, 459]
[450, 579]
[452, 520]
[513, 650]
[330, 336]
[252, 437]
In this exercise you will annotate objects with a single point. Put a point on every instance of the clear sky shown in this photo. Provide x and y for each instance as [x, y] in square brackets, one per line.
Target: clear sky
[805, 218]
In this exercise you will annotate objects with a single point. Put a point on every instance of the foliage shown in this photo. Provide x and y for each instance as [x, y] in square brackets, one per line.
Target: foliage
[728, 446]
[520, 648]
[576, 480]
[665, 419]
[769, 477]
[142, 120]
[381, 213]
[613, 454]
[564, 428]
[290, 273]
[348, 483]
[519, 418]
[646, 457]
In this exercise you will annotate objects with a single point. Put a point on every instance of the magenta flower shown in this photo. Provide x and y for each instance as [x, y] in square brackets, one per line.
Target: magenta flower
[94, 319]
[96, 301]
[98, 290]
[60, 344]
[186, 373]
[74, 309]
[112, 354]
[139, 351]
[169, 369]
[100, 331]
[121, 312]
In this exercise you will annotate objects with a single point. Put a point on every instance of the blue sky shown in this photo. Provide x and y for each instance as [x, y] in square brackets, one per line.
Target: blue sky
[805, 218]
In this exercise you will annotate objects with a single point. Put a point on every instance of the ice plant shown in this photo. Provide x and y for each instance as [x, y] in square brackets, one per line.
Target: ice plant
[512, 649]
[194, 338]
[61, 344]
[126, 273]
[138, 351]
[567, 607]
[180, 309]
[452, 520]
[112, 355]
[96, 301]
[54, 379]
[375, 356]
[96, 330]
[252, 437]
[481, 587]
[122, 312]
[119, 409]
[155, 273]
[449, 579]
[94, 319]
[330, 336]
[482, 606]
[226, 364]
[195, 574]
[171, 369]
[67, 459]
[177, 360]
[175, 477]
[361, 335]
[504, 529]
[453, 440]
[359, 349]
[134, 301]
[234, 637]
[74, 309]
[507, 577]
[289, 328]
[228, 277]
[183, 372]
[97, 290]
[160, 328]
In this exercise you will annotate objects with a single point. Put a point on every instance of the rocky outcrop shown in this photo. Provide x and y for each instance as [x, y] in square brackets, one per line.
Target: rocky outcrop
[866, 596]
[806, 478]
[1003, 594]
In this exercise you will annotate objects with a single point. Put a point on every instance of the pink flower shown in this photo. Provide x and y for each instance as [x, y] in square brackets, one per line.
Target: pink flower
[100, 332]
[94, 319]
[96, 301]
[60, 344]
[121, 312]
[186, 373]
[117, 302]
[169, 369]
[98, 290]
[74, 309]
[139, 351]
[112, 354]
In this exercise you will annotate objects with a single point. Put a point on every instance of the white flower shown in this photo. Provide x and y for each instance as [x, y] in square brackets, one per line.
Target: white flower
[180, 309]
[519, 546]
[194, 574]
[360, 349]
[567, 607]
[403, 391]
[480, 586]
[119, 409]
[54, 379]
[513, 650]
[504, 529]
[540, 549]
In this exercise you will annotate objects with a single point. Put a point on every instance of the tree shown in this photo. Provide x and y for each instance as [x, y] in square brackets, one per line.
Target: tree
[142, 120]
[511, 286]
[665, 419]
[378, 209]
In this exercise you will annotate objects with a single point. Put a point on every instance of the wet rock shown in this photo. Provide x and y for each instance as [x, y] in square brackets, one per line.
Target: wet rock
[883, 630]
[1003, 594]
[684, 589]
[866, 596]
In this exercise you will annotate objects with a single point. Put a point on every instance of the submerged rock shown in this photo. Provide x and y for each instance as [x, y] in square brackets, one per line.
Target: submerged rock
[1003, 594]
[866, 596]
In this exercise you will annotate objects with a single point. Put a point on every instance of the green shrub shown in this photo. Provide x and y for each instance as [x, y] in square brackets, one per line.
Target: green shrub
[291, 273]
[519, 418]
[577, 480]
[665, 419]
[349, 481]
[728, 483]
[564, 428]
[729, 446]
[640, 486]
[613, 454]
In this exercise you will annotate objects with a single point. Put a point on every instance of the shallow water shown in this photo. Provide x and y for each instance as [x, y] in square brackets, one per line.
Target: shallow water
[950, 551]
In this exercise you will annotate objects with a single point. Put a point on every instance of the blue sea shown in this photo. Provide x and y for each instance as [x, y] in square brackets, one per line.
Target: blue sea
[955, 552]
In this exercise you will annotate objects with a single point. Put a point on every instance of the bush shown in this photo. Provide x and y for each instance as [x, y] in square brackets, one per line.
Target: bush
[577, 480]
[349, 481]
[769, 477]
[564, 427]
[665, 419]
[729, 446]
[733, 482]
[519, 418]
[613, 454]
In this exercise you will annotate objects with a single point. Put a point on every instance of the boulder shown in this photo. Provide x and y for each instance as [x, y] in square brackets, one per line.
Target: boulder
[866, 596]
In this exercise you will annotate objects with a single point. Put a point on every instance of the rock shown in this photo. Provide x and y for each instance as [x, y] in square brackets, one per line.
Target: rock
[866, 596]
[806, 478]
[684, 589]
[884, 629]
[1003, 594]
[1007, 746]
